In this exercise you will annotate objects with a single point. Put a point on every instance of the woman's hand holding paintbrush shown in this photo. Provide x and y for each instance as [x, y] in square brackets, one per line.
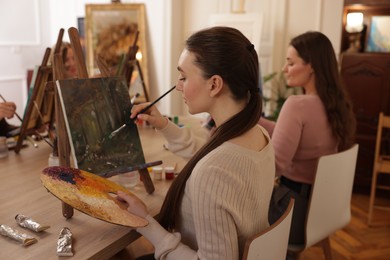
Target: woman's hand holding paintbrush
[8, 109]
[147, 112]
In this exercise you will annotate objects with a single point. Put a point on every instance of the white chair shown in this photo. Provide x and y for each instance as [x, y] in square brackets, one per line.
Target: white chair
[272, 242]
[330, 200]
[381, 166]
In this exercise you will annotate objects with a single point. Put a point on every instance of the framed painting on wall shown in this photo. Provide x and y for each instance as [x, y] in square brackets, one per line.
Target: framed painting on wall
[378, 38]
[111, 29]
[81, 29]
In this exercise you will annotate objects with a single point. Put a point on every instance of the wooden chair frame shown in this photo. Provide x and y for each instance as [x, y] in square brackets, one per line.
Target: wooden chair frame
[381, 166]
[272, 242]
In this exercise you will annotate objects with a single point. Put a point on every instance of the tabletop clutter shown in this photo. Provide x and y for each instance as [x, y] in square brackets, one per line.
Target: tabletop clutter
[28, 231]
[64, 243]
[169, 171]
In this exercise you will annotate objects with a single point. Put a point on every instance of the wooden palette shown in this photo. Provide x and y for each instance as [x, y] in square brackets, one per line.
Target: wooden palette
[90, 194]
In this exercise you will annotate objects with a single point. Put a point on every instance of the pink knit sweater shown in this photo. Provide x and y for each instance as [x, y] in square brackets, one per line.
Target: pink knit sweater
[301, 135]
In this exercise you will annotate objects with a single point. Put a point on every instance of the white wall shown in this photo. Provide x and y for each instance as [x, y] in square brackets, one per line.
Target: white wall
[169, 23]
[18, 56]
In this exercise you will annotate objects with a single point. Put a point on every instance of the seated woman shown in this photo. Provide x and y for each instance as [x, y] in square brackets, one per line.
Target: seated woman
[222, 195]
[309, 126]
[68, 59]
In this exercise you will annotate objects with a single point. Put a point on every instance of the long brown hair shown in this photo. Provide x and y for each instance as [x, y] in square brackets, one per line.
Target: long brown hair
[228, 53]
[315, 48]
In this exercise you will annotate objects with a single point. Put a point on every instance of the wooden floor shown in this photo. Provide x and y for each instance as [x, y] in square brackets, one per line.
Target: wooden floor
[356, 241]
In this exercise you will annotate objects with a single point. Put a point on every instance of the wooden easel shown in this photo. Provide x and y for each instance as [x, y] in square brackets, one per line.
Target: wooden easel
[130, 63]
[33, 118]
[40, 108]
[62, 136]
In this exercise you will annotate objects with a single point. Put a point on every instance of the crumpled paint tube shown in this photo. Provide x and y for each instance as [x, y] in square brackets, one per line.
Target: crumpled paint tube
[14, 234]
[29, 223]
[64, 243]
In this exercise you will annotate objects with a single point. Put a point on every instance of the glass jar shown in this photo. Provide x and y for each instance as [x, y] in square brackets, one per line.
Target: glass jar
[53, 160]
[157, 172]
[129, 179]
[169, 173]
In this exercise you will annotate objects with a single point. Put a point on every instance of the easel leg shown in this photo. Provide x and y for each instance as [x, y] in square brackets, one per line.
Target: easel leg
[142, 80]
[67, 211]
[148, 183]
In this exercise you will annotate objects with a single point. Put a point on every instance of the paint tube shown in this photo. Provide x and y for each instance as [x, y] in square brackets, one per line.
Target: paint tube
[29, 223]
[16, 235]
[64, 243]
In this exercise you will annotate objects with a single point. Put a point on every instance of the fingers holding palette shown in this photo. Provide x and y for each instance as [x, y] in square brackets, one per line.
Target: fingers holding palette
[90, 194]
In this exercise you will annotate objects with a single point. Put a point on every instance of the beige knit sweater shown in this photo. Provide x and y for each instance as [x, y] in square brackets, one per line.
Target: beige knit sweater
[226, 200]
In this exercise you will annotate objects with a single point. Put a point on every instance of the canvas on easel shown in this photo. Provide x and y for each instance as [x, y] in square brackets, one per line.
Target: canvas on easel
[93, 108]
[64, 132]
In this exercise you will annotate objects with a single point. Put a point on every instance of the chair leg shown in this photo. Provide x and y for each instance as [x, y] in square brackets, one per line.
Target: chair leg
[372, 197]
[327, 249]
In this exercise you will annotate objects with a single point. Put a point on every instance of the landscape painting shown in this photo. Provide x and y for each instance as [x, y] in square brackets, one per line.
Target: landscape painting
[93, 109]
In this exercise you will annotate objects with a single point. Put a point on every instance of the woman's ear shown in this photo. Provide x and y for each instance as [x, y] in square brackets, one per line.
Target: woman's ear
[216, 85]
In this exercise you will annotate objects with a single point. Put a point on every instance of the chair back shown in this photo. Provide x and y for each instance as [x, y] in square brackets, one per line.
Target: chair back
[272, 242]
[384, 122]
[381, 167]
[330, 201]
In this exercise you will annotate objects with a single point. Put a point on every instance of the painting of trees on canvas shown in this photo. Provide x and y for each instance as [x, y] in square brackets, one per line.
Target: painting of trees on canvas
[94, 108]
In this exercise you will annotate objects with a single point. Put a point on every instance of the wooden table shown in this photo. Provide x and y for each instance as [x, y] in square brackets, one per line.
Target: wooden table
[23, 193]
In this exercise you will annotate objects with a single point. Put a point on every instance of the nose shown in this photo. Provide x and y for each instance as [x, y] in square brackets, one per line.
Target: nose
[284, 69]
[179, 86]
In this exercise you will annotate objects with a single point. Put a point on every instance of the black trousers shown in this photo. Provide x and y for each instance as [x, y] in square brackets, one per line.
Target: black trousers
[7, 129]
[146, 257]
[280, 199]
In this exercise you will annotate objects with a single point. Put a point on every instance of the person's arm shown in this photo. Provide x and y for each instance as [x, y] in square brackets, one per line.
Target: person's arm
[287, 134]
[164, 242]
[216, 232]
[7, 110]
[181, 140]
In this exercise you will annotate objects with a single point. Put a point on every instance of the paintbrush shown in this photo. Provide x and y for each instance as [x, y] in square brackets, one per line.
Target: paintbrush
[140, 112]
[16, 114]
[120, 128]
[134, 98]
[29, 138]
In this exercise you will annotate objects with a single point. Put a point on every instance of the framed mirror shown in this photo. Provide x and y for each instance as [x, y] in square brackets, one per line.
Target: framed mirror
[111, 29]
